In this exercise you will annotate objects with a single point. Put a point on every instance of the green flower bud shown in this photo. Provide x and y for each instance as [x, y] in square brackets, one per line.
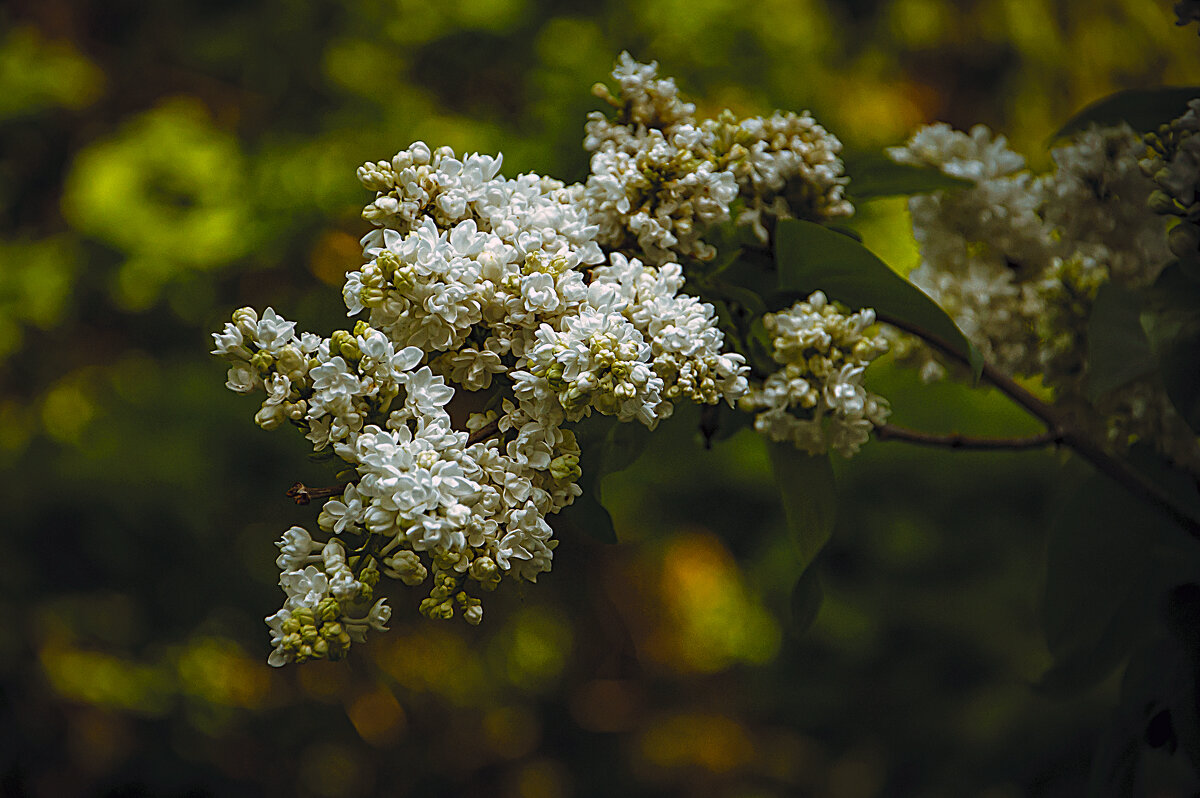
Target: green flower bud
[565, 466]
[292, 363]
[262, 360]
[1184, 240]
[484, 569]
[1161, 202]
[343, 342]
[388, 263]
[328, 609]
[320, 649]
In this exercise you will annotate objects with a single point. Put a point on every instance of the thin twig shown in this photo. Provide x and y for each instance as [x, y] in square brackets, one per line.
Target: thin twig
[302, 494]
[1057, 424]
[955, 440]
[483, 433]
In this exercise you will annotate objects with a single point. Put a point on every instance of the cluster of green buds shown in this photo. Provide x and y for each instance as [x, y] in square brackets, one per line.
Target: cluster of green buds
[450, 572]
[316, 633]
[1172, 161]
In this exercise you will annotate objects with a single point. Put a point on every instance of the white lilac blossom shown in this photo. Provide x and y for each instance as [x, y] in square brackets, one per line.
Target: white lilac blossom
[471, 282]
[660, 177]
[817, 401]
[1017, 259]
[786, 165]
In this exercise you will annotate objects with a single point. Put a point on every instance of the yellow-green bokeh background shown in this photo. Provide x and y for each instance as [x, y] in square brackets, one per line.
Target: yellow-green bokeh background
[162, 163]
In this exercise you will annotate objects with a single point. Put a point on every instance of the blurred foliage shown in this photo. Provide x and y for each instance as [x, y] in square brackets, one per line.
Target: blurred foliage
[163, 163]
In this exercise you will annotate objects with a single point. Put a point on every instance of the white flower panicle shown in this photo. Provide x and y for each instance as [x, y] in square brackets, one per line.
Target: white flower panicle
[817, 400]
[1017, 260]
[658, 194]
[787, 166]
[660, 176]
[478, 283]
[548, 303]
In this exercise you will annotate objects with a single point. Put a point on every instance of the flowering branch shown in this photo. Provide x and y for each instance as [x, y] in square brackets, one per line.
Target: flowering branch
[955, 440]
[1063, 432]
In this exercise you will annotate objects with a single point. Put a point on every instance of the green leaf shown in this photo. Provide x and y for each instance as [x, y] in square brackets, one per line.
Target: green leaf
[590, 516]
[811, 258]
[806, 599]
[1116, 763]
[809, 494]
[1143, 109]
[1118, 351]
[876, 175]
[1171, 319]
[606, 447]
[1109, 561]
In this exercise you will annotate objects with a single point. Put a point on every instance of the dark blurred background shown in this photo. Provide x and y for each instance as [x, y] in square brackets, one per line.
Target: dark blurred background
[163, 163]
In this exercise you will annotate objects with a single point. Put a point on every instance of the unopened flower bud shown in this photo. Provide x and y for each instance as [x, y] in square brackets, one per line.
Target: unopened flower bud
[246, 320]
[1184, 240]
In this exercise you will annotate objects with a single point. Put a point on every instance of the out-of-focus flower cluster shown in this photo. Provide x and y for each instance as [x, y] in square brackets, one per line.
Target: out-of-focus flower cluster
[817, 401]
[1017, 260]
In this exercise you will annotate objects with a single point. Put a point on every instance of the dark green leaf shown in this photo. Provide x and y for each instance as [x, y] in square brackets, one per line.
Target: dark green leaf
[876, 175]
[806, 599]
[1143, 109]
[846, 231]
[1109, 561]
[1116, 763]
[809, 494]
[588, 515]
[606, 447]
[587, 512]
[811, 258]
[720, 422]
[623, 445]
[1171, 319]
[1118, 351]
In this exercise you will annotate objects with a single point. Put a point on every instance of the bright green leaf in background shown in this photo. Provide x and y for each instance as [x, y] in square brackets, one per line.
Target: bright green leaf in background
[876, 175]
[814, 258]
